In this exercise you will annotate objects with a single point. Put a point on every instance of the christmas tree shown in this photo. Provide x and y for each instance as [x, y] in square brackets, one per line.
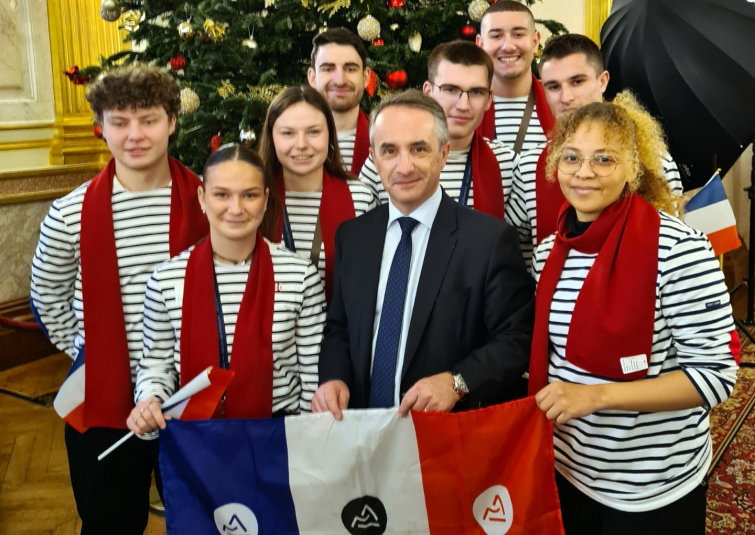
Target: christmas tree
[232, 57]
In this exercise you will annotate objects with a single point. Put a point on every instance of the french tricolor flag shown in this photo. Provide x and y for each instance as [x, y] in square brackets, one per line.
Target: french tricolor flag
[709, 211]
[489, 472]
[69, 403]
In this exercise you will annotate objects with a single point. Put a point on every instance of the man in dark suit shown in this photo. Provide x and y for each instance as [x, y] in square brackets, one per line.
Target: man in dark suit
[433, 306]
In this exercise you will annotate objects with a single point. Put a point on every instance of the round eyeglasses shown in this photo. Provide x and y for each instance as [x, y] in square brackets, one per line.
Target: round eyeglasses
[569, 163]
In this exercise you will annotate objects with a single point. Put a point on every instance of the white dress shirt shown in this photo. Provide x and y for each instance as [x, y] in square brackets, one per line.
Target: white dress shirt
[425, 215]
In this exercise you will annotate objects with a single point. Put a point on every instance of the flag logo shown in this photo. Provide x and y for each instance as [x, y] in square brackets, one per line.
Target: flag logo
[494, 511]
[365, 516]
[236, 519]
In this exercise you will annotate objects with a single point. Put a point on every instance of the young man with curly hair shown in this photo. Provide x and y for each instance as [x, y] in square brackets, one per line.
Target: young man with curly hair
[97, 249]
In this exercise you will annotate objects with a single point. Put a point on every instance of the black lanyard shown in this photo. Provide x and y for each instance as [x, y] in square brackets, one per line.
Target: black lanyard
[466, 183]
[224, 359]
[288, 236]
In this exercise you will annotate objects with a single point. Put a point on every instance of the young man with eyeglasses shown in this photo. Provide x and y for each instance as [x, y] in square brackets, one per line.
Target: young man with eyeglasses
[478, 171]
[572, 74]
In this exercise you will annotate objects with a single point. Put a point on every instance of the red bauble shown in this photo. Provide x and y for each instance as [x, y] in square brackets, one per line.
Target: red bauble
[378, 42]
[396, 79]
[395, 3]
[372, 84]
[215, 142]
[97, 131]
[177, 63]
[468, 32]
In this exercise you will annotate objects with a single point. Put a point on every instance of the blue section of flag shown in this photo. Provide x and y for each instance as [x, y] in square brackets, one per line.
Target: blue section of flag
[712, 193]
[78, 363]
[208, 464]
[35, 313]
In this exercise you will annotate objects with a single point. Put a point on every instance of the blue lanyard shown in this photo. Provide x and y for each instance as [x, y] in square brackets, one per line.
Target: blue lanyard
[466, 183]
[224, 360]
[288, 236]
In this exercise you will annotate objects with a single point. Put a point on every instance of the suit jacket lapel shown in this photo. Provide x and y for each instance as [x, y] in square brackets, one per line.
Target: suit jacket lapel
[440, 247]
[368, 278]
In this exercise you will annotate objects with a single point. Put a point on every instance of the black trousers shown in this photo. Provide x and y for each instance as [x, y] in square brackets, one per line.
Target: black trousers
[112, 495]
[584, 516]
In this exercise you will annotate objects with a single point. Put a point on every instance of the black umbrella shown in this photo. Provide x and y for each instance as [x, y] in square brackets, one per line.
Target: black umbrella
[692, 63]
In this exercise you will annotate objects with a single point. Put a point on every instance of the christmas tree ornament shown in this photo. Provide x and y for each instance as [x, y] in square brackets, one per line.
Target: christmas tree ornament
[75, 76]
[97, 131]
[247, 137]
[310, 27]
[216, 32]
[396, 79]
[131, 20]
[189, 101]
[250, 43]
[415, 42]
[323, 28]
[368, 28]
[263, 13]
[185, 30]
[378, 42]
[395, 4]
[394, 27]
[477, 9]
[110, 11]
[226, 89]
[539, 52]
[177, 62]
[265, 93]
[216, 142]
[468, 32]
[372, 84]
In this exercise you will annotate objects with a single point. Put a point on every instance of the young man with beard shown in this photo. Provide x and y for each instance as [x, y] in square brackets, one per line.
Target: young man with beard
[97, 250]
[339, 73]
[572, 74]
[519, 116]
[478, 171]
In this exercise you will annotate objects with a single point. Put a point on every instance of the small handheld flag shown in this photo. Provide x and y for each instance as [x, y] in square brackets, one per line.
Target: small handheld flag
[195, 401]
[710, 212]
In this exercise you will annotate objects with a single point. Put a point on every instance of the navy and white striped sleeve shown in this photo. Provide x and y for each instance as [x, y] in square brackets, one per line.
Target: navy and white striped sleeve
[310, 323]
[156, 374]
[53, 278]
[516, 214]
[695, 303]
[370, 178]
[673, 177]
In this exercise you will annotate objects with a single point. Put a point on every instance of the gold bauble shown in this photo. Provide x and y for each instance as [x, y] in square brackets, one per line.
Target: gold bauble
[249, 43]
[368, 28]
[415, 42]
[131, 20]
[110, 11]
[477, 9]
[189, 101]
[185, 30]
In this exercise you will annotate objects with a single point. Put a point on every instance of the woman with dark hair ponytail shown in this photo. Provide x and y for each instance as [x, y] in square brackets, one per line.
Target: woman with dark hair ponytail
[235, 300]
[299, 146]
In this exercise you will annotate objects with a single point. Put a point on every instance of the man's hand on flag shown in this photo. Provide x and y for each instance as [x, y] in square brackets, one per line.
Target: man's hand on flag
[332, 396]
[562, 402]
[431, 394]
[146, 417]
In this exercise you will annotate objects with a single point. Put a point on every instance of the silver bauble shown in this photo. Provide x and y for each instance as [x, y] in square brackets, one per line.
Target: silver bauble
[250, 43]
[110, 11]
[185, 30]
[247, 136]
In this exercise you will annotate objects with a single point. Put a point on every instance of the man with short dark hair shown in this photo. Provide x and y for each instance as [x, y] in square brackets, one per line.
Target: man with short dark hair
[520, 116]
[572, 74]
[339, 72]
[97, 250]
[478, 171]
[432, 304]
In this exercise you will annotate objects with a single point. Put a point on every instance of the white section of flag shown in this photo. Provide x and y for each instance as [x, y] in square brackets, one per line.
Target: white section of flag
[369, 453]
[71, 393]
[196, 385]
[712, 218]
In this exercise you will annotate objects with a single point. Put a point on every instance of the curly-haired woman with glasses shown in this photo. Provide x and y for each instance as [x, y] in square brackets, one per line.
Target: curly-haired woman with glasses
[634, 340]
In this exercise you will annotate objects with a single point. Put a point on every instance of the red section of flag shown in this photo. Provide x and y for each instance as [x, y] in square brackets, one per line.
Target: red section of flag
[75, 419]
[490, 471]
[202, 405]
[724, 240]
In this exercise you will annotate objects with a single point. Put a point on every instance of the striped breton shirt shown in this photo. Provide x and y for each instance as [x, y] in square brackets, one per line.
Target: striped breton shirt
[141, 220]
[303, 208]
[634, 461]
[452, 175]
[298, 322]
[346, 141]
[522, 210]
[508, 117]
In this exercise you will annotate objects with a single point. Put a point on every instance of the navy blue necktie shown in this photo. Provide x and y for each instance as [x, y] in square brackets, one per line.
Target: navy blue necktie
[383, 382]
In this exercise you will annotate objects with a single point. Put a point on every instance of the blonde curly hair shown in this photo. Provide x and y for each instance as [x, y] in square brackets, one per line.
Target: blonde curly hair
[641, 139]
